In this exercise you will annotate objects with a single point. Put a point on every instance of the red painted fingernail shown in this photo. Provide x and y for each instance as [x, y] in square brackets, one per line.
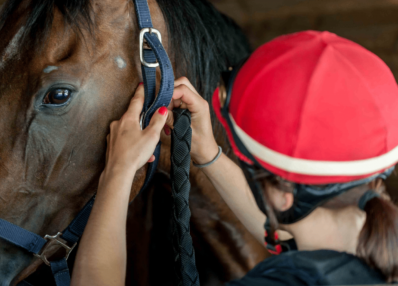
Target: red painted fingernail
[167, 130]
[163, 110]
[140, 83]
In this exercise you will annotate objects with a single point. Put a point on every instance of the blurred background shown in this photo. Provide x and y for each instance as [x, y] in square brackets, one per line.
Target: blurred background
[370, 23]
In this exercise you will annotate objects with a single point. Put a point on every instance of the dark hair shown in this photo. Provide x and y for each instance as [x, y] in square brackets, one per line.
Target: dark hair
[38, 23]
[204, 42]
[378, 239]
[270, 180]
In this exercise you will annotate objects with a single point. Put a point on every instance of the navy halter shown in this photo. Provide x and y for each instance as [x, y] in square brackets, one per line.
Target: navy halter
[150, 59]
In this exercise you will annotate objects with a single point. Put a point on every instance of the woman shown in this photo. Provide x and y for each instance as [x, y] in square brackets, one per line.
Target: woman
[314, 120]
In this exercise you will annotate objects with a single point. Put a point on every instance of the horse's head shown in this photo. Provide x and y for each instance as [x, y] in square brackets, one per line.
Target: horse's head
[66, 71]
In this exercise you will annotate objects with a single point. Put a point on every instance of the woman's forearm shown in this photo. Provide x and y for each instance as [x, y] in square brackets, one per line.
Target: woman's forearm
[101, 259]
[231, 183]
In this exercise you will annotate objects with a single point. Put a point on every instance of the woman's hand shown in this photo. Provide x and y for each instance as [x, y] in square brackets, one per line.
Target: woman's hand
[101, 258]
[129, 147]
[204, 147]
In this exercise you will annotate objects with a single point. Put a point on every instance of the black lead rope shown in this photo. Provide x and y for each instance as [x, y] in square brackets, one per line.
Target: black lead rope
[181, 136]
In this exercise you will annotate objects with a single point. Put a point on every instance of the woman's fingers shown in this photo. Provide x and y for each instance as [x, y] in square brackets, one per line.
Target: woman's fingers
[189, 99]
[107, 148]
[178, 103]
[171, 104]
[170, 119]
[186, 82]
[155, 126]
[157, 123]
[169, 123]
[136, 104]
[184, 95]
[152, 159]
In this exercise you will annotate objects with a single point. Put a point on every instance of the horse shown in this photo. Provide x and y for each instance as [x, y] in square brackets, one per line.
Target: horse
[68, 69]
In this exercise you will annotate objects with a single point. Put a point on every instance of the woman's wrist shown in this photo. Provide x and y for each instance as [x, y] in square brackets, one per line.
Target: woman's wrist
[206, 155]
[117, 173]
[120, 167]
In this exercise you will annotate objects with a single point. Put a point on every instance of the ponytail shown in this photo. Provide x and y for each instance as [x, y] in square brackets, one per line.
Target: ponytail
[378, 239]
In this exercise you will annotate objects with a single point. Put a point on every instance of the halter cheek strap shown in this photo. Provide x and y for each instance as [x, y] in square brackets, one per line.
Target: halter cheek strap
[184, 254]
[151, 58]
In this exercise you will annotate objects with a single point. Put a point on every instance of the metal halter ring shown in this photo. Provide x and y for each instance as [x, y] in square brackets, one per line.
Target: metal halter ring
[57, 240]
[142, 34]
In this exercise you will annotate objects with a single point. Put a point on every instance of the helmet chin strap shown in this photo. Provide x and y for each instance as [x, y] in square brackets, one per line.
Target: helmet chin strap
[309, 197]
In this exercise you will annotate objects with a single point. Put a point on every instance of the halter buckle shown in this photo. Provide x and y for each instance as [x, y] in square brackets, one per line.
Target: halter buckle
[51, 241]
[142, 41]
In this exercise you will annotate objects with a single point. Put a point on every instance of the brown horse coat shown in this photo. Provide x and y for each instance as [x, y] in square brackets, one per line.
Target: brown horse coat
[51, 156]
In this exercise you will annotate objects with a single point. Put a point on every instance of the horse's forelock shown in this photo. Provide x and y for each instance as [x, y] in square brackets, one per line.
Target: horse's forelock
[12, 49]
[40, 15]
[203, 43]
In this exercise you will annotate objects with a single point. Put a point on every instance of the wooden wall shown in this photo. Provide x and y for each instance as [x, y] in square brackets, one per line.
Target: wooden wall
[371, 23]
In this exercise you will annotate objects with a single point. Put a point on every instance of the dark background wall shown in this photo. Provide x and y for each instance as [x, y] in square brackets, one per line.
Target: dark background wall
[371, 23]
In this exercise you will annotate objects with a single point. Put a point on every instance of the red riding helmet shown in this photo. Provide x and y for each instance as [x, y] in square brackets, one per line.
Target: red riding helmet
[312, 108]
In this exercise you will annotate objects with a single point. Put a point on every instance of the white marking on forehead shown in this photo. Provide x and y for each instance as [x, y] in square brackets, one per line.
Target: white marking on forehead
[120, 62]
[11, 50]
[50, 69]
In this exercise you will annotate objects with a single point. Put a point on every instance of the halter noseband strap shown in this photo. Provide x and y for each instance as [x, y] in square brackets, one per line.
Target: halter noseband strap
[37, 245]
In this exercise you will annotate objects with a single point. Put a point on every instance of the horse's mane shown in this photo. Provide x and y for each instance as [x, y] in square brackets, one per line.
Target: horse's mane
[40, 17]
[204, 42]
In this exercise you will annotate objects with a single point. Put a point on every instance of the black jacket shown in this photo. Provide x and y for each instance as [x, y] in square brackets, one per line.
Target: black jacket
[321, 267]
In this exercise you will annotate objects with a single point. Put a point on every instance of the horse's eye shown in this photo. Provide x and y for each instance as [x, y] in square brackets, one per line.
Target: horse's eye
[57, 96]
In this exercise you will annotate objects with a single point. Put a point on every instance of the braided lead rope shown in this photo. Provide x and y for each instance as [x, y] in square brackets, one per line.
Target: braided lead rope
[181, 135]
